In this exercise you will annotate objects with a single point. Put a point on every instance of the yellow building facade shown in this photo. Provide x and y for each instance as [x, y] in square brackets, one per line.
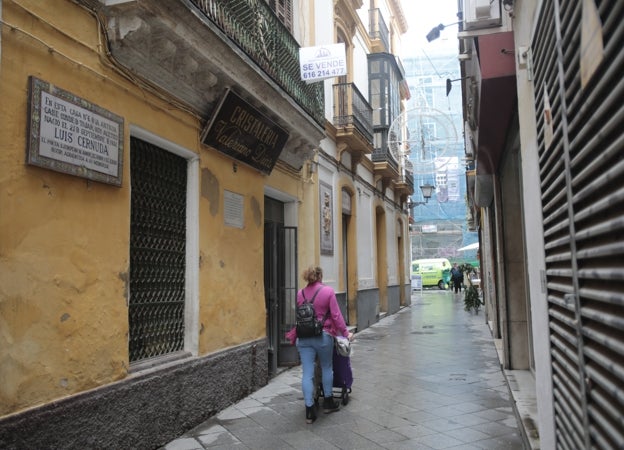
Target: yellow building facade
[164, 178]
[131, 251]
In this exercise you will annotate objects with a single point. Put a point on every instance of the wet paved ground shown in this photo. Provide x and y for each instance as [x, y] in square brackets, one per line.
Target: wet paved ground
[427, 377]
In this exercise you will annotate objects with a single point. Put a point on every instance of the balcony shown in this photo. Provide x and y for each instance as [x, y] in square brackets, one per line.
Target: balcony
[353, 119]
[254, 27]
[378, 32]
[385, 77]
[195, 49]
[386, 167]
[404, 186]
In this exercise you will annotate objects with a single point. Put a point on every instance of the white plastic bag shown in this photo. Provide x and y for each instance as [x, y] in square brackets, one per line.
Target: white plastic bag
[343, 346]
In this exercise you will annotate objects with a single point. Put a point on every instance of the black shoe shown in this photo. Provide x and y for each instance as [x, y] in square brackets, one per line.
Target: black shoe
[310, 414]
[330, 405]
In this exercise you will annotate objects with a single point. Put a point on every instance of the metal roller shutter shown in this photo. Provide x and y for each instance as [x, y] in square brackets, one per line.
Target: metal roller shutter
[582, 179]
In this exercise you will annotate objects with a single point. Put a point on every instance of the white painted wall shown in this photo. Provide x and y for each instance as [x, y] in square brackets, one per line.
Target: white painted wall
[322, 32]
[363, 13]
[365, 174]
[328, 146]
[360, 65]
[323, 28]
[366, 240]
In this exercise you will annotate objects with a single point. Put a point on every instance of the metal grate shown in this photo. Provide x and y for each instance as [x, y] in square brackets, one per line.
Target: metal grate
[157, 251]
[287, 265]
[258, 31]
[582, 178]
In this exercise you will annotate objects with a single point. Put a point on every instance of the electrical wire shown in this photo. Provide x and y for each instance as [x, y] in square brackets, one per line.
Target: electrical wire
[108, 61]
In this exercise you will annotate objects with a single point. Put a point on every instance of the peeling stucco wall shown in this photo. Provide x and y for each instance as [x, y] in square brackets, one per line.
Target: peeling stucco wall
[64, 240]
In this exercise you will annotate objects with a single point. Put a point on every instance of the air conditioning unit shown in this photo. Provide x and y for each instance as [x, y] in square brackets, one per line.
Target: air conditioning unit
[480, 14]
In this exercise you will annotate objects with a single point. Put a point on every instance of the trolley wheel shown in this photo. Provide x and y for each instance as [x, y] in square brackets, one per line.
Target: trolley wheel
[345, 395]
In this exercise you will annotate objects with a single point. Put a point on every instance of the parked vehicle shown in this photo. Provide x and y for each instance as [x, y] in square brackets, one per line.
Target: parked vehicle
[433, 272]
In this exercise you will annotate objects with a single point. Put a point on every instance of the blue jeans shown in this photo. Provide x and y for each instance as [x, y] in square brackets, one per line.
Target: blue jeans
[309, 348]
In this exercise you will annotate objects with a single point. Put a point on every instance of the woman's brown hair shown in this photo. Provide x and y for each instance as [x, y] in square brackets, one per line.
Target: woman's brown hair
[312, 274]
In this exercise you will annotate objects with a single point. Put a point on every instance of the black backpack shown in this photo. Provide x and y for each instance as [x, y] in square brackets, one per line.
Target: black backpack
[307, 323]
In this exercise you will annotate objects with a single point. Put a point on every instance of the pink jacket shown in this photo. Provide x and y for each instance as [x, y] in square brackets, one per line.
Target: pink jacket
[325, 301]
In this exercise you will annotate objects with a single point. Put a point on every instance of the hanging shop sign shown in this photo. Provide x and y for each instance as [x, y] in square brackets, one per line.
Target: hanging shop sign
[241, 131]
[321, 62]
[71, 135]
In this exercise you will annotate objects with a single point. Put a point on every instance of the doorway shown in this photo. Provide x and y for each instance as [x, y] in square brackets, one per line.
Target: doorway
[382, 260]
[280, 284]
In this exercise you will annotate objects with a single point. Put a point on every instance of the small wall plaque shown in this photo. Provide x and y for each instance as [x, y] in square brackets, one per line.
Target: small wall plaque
[71, 135]
[233, 209]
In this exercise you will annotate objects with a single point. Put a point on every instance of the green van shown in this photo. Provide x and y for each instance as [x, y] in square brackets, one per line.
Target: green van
[433, 272]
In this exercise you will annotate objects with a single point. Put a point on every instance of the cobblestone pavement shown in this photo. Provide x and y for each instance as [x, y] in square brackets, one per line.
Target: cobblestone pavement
[427, 377]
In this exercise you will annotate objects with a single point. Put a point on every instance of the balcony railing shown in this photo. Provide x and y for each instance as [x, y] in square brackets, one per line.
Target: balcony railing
[351, 108]
[378, 28]
[252, 26]
[408, 175]
[384, 155]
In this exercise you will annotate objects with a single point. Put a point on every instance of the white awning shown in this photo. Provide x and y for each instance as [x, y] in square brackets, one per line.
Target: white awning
[474, 246]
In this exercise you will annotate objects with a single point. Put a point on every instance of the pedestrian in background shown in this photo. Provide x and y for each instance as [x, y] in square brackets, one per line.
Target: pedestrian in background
[326, 308]
[458, 278]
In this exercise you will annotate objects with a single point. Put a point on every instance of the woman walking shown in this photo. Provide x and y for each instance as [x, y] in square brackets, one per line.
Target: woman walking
[327, 309]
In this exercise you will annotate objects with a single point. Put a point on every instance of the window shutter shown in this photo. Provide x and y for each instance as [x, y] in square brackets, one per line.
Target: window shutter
[283, 10]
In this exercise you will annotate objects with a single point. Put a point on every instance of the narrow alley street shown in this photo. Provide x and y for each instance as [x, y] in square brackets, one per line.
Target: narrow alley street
[427, 377]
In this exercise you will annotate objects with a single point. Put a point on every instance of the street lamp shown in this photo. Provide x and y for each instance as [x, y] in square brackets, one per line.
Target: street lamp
[449, 84]
[435, 31]
[427, 191]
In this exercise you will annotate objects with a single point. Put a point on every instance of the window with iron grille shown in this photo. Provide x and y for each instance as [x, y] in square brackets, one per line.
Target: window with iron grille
[283, 10]
[157, 251]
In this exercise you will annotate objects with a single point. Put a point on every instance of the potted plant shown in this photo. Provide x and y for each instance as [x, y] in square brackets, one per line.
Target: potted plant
[472, 301]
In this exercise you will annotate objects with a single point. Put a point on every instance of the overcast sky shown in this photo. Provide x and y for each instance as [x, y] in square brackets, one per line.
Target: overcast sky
[422, 16]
